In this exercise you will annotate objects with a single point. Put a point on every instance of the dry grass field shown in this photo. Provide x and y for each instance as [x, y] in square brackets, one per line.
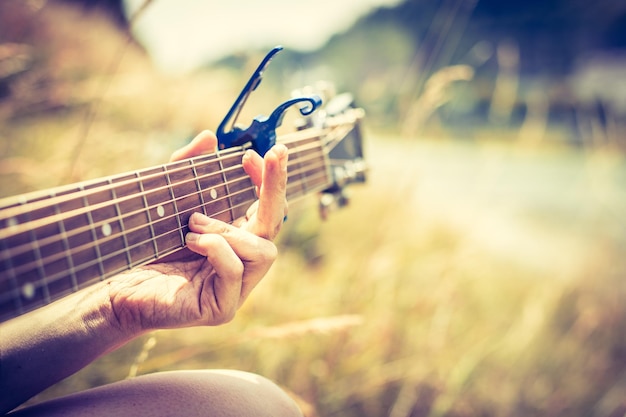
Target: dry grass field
[468, 277]
[462, 280]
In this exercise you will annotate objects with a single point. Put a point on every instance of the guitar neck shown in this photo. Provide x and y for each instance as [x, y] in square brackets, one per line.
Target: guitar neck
[59, 241]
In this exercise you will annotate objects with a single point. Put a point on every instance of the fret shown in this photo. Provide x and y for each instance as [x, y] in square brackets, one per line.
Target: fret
[214, 190]
[308, 168]
[148, 217]
[315, 164]
[198, 187]
[25, 261]
[32, 290]
[175, 204]
[55, 248]
[86, 272]
[41, 286]
[133, 213]
[43, 281]
[228, 195]
[10, 301]
[161, 210]
[66, 248]
[183, 181]
[302, 172]
[107, 228]
[55, 243]
[115, 195]
[241, 189]
[295, 186]
[231, 208]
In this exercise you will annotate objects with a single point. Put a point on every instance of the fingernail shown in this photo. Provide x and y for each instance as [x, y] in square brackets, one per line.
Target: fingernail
[192, 237]
[282, 153]
[200, 219]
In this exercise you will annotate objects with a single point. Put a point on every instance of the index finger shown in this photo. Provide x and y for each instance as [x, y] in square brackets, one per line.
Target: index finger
[204, 142]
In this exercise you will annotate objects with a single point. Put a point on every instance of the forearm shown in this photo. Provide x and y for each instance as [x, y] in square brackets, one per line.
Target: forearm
[42, 347]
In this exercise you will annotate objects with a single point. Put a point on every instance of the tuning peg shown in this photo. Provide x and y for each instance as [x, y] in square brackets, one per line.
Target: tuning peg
[331, 201]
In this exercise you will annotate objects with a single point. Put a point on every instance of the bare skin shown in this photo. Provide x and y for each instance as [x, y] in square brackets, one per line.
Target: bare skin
[202, 287]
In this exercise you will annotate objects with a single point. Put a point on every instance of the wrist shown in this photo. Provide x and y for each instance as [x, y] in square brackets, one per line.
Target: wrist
[131, 306]
[101, 320]
[74, 331]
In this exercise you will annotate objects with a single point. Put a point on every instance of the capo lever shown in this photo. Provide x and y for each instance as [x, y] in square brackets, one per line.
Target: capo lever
[262, 131]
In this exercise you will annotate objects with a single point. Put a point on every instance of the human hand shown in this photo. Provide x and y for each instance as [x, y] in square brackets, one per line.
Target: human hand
[208, 289]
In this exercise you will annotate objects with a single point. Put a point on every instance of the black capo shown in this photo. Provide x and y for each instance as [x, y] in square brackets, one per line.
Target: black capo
[262, 131]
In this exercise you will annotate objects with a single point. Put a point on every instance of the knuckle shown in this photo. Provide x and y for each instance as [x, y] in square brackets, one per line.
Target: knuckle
[225, 316]
[203, 224]
[269, 252]
[230, 315]
[210, 241]
[237, 270]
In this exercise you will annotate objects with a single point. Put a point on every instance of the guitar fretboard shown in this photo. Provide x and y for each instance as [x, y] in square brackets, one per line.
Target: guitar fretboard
[59, 241]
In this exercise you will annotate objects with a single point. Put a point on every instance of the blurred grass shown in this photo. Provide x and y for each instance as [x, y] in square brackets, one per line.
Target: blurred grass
[481, 279]
[469, 276]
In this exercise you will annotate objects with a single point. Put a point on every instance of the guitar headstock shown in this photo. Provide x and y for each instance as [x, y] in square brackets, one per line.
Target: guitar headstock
[334, 116]
[340, 118]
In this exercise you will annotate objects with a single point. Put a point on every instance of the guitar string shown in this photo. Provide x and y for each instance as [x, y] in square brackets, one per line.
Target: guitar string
[11, 206]
[51, 279]
[61, 275]
[203, 160]
[61, 255]
[27, 248]
[203, 163]
[16, 229]
[15, 251]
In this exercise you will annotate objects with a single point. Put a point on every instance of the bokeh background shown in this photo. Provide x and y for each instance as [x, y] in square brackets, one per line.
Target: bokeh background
[480, 271]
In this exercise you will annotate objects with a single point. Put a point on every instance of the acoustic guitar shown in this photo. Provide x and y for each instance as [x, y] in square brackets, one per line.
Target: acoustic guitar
[58, 241]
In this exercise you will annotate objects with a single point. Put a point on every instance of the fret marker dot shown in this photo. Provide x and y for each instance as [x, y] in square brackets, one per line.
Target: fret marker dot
[160, 211]
[106, 229]
[12, 222]
[213, 193]
[28, 290]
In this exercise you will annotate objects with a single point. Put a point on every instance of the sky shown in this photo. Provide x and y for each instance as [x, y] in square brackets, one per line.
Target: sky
[181, 35]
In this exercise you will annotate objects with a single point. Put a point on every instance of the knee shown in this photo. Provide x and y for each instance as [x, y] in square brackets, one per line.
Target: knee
[234, 393]
[188, 393]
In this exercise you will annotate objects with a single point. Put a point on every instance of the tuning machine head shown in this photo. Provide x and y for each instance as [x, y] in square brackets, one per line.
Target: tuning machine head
[345, 149]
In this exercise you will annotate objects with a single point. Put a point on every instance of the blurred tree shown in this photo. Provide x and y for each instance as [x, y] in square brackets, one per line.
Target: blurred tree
[47, 49]
[114, 9]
